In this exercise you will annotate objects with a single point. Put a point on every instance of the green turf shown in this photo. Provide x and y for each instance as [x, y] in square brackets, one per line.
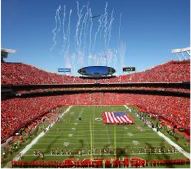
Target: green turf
[88, 134]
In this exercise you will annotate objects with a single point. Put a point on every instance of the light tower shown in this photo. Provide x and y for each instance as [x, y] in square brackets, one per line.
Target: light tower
[184, 52]
[5, 52]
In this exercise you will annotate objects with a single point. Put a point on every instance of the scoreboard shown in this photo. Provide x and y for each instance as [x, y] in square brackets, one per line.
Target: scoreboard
[64, 69]
[128, 69]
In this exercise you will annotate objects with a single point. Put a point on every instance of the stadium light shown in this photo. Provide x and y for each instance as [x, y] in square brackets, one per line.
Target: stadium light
[11, 51]
[5, 52]
[183, 51]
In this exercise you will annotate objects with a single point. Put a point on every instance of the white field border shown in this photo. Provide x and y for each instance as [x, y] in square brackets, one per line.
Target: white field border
[172, 143]
[49, 155]
[16, 158]
[169, 141]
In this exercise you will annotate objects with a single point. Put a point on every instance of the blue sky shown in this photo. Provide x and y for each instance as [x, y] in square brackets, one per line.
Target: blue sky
[148, 31]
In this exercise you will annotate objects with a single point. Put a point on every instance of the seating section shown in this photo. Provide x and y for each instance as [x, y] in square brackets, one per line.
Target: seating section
[16, 113]
[173, 109]
[22, 74]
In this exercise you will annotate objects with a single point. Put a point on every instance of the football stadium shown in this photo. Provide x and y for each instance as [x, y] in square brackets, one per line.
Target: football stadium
[91, 112]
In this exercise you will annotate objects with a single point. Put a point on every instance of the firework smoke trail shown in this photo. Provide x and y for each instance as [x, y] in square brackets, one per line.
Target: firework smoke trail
[63, 30]
[97, 32]
[109, 52]
[83, 32]
[91, 25]
[114, 56]
[63, 23]
[57, 18]
[79, 14]
[68, 31]
[85, 23]
[105, 23]
[66, 52]
[119, 34]
[110, 27]
[83, 29]
[122, 51]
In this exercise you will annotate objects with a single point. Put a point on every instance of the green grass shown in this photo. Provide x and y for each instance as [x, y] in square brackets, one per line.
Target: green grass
[88, 134]
[183, 141]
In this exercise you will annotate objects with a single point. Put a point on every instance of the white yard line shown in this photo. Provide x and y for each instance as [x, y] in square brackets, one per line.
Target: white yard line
[169, 141]
[127, 108]
[109, 141]
[16, 158]
[103, 134]
[101, 128]
[97, 142]
[172, 143]
[49, 155]
[93, 127]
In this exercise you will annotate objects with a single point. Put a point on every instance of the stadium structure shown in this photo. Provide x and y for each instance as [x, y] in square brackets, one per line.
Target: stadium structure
[183, 52]
[134, 120]
[5, 52]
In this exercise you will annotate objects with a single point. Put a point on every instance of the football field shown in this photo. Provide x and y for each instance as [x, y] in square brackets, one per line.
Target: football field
[81, 133]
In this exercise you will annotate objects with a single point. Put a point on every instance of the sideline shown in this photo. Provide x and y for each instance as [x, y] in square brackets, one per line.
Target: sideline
[128, 108]
[172, 143]
[17, 157]
[169, 141]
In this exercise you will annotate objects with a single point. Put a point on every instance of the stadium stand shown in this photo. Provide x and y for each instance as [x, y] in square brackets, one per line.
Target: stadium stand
[18, 112]
[22, 74]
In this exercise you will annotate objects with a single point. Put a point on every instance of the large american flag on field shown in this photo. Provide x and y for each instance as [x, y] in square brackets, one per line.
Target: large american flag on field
[117, 118]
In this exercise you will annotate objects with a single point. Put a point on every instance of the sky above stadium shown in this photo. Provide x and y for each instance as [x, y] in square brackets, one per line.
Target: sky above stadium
[52, 34]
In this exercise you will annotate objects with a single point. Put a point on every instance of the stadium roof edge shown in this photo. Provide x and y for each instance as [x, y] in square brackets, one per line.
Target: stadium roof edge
[180, 50]
[5, 52]
[11, 51]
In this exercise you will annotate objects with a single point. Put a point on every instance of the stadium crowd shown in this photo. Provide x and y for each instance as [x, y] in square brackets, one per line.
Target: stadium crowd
[22, 74]
[16, 113]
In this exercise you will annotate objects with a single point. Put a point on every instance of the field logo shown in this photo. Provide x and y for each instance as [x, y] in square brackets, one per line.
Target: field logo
[70, 135]
[98, 119]
[130, 134]
[135, 142]
[73, 128]
[66, 144]
[76, 123]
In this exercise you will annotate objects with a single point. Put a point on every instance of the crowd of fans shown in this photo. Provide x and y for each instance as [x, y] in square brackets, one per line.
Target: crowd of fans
[174, 109]
[20, 74]
[15, 113]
